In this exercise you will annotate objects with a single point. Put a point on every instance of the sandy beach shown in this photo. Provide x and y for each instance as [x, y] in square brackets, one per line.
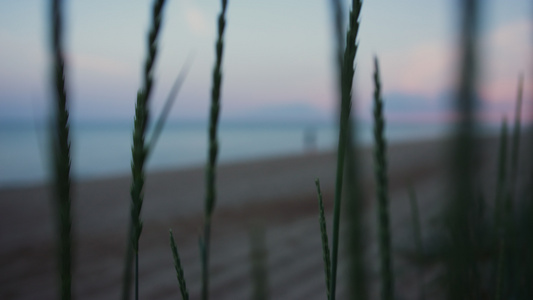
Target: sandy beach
[275, 194]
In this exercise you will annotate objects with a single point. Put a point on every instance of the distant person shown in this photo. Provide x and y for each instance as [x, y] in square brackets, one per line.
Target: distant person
[310, 140]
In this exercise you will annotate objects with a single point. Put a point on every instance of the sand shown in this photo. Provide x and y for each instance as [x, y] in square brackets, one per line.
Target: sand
[275, 194]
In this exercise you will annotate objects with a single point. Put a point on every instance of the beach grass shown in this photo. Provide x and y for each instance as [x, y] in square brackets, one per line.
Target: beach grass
[139, 154]
[60, 141]
[462, 269]
[179, 269]
[324, 238]
[346, 72]
[417, 234]
[259, 262]
[210, 198]
[501, 216]
[380, 167]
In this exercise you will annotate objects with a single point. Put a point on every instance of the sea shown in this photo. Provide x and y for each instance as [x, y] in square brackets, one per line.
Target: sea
[100, 149]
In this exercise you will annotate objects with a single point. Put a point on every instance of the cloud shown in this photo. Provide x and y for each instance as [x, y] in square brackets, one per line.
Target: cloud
[197, 21]
[507, 54]
[424, 69]
[428, 69]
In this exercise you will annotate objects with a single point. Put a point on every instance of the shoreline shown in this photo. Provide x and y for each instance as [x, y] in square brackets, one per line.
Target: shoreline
[80, 179]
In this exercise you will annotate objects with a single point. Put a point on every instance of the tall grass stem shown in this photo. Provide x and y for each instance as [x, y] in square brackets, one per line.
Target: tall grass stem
[461, 268]
[61, 155]
[171, 98]
[179, 268]
[417, 234]
[380, 167]
[210, 198]
[517, 129]
[139, 152]
[324, 235]
[502, 176]
[258, 257]
[345, 85]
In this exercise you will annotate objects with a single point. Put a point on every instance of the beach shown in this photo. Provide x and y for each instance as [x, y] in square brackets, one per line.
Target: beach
[276, 195]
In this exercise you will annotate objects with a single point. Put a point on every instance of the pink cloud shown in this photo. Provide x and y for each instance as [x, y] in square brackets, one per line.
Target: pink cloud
[424, 69]
[508, 52]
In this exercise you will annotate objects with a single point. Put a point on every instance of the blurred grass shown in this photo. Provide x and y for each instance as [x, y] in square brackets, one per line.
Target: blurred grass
[346, 71]
[210, 198]
[324, 238]
[462, 269]
[60, 142]
[382, 191]
[417, 234]
[179, 269]
[259, 261]
[139, 154]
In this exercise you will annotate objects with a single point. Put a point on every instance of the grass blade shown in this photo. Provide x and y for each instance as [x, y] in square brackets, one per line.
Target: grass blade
[417, 230]
[502, 174]
[354, 212]
[171, 98]
[346, 75]
[506, 228]
[139, 153]
[517, 130]
[61, 156]
[461, 269]
[324, 235]
[258, 256]
[213, 150]
[380, 167]
[179, 269]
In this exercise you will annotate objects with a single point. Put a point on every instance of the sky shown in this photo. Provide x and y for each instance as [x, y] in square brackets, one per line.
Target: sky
[278, 59]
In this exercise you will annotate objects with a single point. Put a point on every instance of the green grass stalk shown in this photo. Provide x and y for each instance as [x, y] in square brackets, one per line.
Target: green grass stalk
[380, 167]
[171, 98]
[210, 198]
[347, 72]
[499, 211]
[461, 268]
[501, 181]
[354, 212]
[139, 153]
[258, 257]
[507, 243]
[517, 130]
[417, 233]
[324, 236]
[61, 156]
[179, 269]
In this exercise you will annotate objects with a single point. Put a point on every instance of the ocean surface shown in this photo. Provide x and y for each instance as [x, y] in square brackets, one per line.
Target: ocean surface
[103, 150]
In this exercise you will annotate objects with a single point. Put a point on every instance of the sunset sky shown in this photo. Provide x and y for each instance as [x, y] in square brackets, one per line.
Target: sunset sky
[278, 57]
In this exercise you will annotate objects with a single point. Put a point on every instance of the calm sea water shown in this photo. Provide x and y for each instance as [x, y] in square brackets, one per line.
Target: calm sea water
[104, 150]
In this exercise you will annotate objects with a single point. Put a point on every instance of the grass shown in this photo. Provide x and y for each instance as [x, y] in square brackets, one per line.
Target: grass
[417, 234]
[346, 71]
[179, 269]
[462, 271]
[464, 259]
[258, 259]
[501, 214]
[324, 235]
[210, 187]
[60, 141]
[380, 153]
[139, 154]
